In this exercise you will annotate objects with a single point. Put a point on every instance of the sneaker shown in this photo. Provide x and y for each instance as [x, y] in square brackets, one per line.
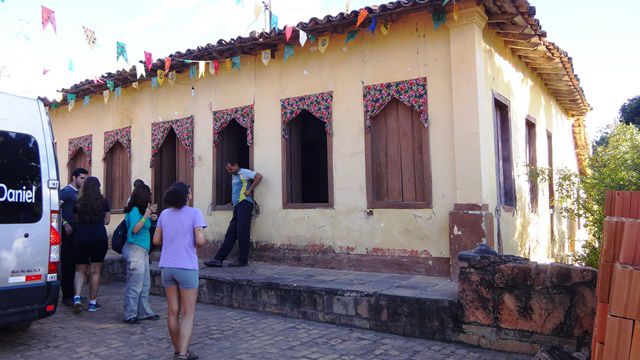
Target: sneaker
[213, 263]
[93, 307]
[77, 305]
[190, 355]
[132, 321]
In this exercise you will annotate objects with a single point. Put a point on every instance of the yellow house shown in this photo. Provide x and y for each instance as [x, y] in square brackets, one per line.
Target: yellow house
[386, 150]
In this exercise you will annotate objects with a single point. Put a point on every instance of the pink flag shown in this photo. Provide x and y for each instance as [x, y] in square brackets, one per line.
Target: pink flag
[48, 17]
[288, 30]
[147, 60]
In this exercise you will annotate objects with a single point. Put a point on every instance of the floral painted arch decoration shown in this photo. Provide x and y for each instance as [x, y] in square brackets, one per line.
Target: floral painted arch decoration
[111, 137]
[319, 105]
[243, 115]
[184, 132]
[82, 142]
[412, 93]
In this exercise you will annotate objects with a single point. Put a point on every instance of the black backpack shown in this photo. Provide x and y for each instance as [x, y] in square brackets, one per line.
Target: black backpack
[119, 237]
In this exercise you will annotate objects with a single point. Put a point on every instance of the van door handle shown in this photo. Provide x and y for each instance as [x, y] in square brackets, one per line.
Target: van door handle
[26, 235]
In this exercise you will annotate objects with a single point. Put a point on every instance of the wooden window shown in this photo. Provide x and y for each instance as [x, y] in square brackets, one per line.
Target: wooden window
[532, 160]
[504, 158]
[171, 165]
[398, 159]
[552, 194]
[79, 160]
[231, 145]
[307, 170]
[117, 177]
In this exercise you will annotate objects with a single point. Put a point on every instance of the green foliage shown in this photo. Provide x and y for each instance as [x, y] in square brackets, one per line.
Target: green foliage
[630, 112]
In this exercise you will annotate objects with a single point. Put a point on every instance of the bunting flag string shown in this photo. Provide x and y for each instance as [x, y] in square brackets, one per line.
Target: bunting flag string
[86, 100]
[110, 85]
[135, 85]
[216, 66]
[227, 63]
[90, 35]
[456, 11]
[439, 17]
[105, 96]
[167, 64]
[160, 76]
[323, 43]
[303, 38]
[274, 21]
[385, 28]
[288, 30]
[70, 66]
[171, 76]
[266, 57]
[118, 91]
[121, 49]
[192, 73]
[362, 16]
[71, 98]
[312, 39]
[373, 25]
[48, 17]
[288, 52]
[235, 62]
[212, 69]
[201, 68]
[350, 36]
[148, 60]
[140, 71]
[154, 82]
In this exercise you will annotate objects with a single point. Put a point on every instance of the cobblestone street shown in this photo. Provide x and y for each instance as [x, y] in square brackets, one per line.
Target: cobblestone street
[220, 333]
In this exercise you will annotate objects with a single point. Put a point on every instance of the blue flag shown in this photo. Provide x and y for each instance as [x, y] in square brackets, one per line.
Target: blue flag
[374, 24]
[288, 52]
[274, 21]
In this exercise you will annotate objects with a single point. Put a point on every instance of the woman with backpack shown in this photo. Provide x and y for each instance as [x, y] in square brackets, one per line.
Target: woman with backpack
[180, 231]
[93, 213]
[139, 213]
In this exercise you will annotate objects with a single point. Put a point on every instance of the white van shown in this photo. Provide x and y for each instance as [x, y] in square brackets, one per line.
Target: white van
[29, 228]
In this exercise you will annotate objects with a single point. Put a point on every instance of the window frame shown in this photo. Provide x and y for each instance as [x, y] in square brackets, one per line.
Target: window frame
[501, 190]
[531, 155]
[286, 178]
[127, 183]
[428, 178]
[214, 174]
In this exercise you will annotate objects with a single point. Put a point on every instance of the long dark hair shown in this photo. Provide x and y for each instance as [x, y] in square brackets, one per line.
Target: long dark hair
[90, 201]
[177, 195]
[140, 198]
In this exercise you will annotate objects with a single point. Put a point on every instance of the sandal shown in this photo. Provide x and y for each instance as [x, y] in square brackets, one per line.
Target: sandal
[190, 355]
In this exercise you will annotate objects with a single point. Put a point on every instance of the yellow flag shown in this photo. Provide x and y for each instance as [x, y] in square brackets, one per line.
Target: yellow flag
[385, 29]
[323, 43]
[160, 77]
[135, 85]
[456, 11]
[172, 77]
[105, 96]
[228, 63]
[202, 65]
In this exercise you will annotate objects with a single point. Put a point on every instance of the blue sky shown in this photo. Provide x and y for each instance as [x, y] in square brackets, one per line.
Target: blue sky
[599, 37]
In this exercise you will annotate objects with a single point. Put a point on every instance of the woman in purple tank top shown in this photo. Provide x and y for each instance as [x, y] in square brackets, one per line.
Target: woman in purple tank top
[180, 231]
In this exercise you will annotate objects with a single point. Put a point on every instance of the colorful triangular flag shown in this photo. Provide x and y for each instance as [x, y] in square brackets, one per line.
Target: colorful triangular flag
[121, 49]
[456, 11]
[148, 60]
[135, 85]
[303, 38]
[312, 39]
[71, 98]
[216, 66]
[439, 17]
[350, 36]
[202, 65]
[274, 21]
[110, 85]
[266, 56]
[86, 100]
[362, 16]
[167, 64]
[323, 43]
[288, 52]
[372, 26]
[192, 73]
[48, 17]
[90, 35]
[70, 66]
[118, 91]
[105, 96]
[154, 82]
[212, 69]
[385, 29]
[171, 76]
[235, 62]
[140, 71]
[160, 77]
[288, 30]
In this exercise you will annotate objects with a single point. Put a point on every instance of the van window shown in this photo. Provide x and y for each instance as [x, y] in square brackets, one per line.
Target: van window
[20, 179]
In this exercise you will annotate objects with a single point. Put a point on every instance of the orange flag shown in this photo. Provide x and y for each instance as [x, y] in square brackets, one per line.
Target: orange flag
[362, 16]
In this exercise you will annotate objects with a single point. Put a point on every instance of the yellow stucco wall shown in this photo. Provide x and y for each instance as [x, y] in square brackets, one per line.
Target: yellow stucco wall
[412, 49]
[523, 232]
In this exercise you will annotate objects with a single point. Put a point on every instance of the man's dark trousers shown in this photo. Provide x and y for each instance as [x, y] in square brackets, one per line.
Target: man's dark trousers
[68, 265]
[240, 229]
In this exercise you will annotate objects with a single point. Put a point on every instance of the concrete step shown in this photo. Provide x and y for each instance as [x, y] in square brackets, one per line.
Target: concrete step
[409, 305]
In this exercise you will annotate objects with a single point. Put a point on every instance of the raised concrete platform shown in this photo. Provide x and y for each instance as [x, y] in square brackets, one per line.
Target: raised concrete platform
[409, 305]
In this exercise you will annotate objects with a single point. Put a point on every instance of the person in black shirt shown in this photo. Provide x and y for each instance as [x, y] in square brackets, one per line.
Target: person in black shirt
[68, 196]
[92, 213]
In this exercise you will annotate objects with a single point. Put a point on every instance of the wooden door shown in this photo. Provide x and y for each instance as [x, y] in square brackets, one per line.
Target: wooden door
[170, 165]
[117, 177]
[79, 160]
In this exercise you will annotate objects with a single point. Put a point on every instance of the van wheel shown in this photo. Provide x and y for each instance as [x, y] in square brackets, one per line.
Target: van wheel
[16, 327]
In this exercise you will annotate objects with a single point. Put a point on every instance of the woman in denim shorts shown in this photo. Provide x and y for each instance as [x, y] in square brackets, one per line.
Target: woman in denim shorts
[180, 231]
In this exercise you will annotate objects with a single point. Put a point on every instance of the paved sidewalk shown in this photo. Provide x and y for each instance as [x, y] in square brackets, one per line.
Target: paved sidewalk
[220, 333]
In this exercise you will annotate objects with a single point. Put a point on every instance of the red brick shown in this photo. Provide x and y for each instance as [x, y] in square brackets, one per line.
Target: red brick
[635, 205]
[613, 231]
[625, 292]
[630, 246]
[598, 352]
[626, 204]
[635, 342]
[605, 274]
[600, 323]
[617, 342]
[609, 203]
